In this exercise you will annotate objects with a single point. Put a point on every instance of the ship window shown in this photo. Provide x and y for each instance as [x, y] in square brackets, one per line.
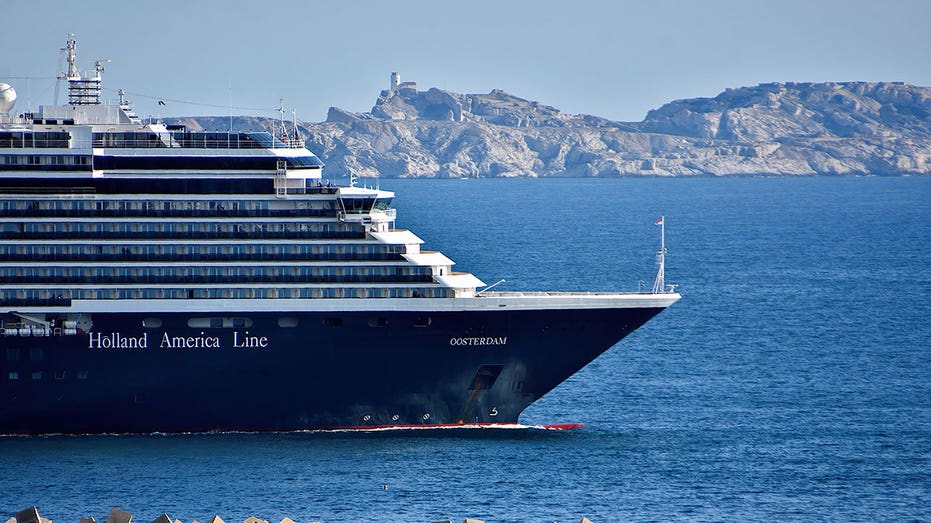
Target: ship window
[82, 374]
[357, 205]
[422, 321]
[37, 375]
[288, 322]
[378, 322]
[217, 323]
[59, 374]
[12, 375]
[152, 323]
[36, 354]
[301, 162]
[332, 322]
[12, 354]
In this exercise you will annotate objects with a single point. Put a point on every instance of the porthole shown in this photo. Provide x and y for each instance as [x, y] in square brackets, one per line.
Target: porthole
[287, 322]
[378, 322]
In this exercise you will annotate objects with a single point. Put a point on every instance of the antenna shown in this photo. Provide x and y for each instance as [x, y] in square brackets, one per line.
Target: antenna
[82, 90]
[72, 63]
[284, 130]
[61, 65]
[230, 92]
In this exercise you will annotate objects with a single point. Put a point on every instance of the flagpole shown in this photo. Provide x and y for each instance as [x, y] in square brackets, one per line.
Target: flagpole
[662, 242]
[659, 284]
[662, 253]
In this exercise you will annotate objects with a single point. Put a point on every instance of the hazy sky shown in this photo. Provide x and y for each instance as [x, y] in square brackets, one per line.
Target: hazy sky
[616, 59]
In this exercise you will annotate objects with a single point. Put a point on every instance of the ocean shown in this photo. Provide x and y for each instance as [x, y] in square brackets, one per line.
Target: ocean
[792, 382]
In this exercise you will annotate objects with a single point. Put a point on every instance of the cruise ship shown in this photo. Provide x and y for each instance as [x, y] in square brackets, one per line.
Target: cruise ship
[160, 279]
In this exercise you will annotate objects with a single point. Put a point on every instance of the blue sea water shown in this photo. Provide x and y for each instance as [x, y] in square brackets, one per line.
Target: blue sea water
[791, 383]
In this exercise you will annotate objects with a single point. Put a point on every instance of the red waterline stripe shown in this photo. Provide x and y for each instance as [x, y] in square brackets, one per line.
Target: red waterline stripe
[368, 428]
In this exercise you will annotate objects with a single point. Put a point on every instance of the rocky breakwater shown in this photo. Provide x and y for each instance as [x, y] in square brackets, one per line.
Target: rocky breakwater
[771, 129]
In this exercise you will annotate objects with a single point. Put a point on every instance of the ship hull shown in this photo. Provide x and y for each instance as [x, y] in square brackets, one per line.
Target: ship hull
[291, 370]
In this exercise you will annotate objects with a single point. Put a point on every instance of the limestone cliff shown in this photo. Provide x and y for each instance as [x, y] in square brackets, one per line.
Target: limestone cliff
[796, 129]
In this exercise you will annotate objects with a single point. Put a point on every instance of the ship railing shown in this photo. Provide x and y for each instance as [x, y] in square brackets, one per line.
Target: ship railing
[60, 192]
[243, 234]
[35, 302]
[293, 143]
[182, 144]
[195, 140]
[531, 294]
[233, 258]
[33, 144]
[43, 212]
[322, 189]
[59, 281]
[153, 140]
[367, 216]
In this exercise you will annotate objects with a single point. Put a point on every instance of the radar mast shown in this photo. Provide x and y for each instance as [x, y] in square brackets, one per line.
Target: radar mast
[82, 90]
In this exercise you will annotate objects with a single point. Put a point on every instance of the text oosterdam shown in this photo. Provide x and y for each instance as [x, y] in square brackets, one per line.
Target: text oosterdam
[480, 341]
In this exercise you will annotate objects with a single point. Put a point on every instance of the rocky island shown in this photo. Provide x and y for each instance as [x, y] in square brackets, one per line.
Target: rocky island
[850, 128]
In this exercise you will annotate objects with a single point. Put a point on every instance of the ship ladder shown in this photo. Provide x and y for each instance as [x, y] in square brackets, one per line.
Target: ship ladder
[281, 179]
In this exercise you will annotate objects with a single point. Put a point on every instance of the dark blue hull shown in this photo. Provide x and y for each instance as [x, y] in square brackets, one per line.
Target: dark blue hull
[292, 371]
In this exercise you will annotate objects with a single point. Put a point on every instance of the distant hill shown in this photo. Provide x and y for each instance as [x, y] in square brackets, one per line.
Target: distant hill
[792, 129]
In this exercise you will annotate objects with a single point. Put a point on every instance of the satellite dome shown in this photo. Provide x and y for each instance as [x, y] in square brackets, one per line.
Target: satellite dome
[7, 97]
